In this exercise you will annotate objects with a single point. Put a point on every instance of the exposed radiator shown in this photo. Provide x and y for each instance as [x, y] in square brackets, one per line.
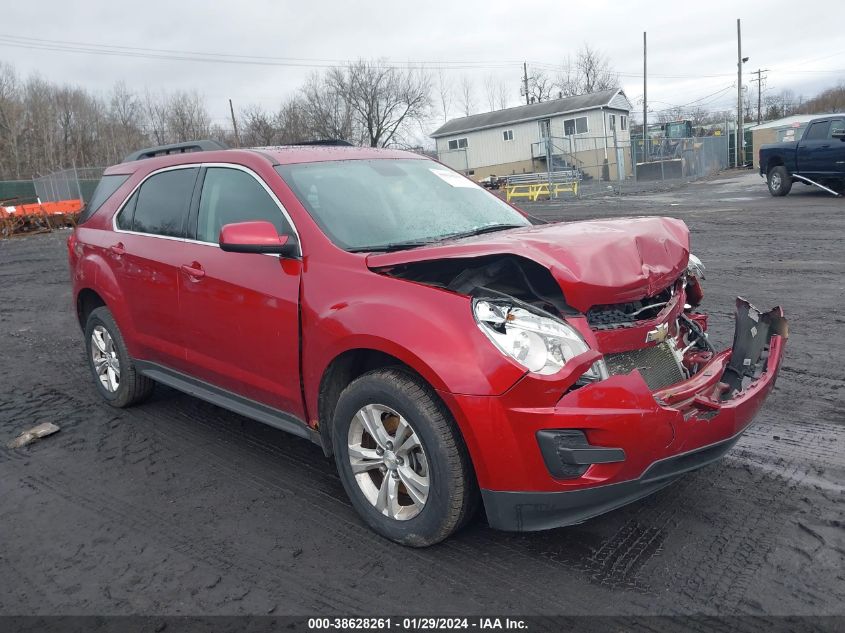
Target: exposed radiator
[657, 364]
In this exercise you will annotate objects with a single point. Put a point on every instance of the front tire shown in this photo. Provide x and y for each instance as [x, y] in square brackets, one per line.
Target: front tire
[115, 376]
[401, 458]
[779, 181]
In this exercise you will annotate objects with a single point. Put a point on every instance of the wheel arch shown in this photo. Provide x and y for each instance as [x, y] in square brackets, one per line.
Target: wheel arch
[346, 367]
[87, 300]
[775, 160]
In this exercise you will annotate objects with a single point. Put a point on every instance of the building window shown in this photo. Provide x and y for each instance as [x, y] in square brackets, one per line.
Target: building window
[623, 122]
[611, 120]
[575, 126]
[458, 143]
[507, 135]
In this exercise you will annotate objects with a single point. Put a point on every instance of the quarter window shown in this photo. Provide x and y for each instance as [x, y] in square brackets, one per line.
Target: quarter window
[162, 203]
[232, 195]
[458, 143]
[507, 135]
[105, 188]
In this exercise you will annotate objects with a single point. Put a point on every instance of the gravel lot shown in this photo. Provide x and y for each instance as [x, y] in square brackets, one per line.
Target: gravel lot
[179, 507]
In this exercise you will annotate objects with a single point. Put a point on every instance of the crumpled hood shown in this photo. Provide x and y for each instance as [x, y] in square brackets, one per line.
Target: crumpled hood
[595, 262]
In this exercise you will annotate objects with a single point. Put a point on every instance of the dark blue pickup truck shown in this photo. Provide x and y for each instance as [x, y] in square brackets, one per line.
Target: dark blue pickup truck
[817, 159]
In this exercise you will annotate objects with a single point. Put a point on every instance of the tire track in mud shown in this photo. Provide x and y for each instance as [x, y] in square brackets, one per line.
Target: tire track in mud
[214, 552]
[326, 504]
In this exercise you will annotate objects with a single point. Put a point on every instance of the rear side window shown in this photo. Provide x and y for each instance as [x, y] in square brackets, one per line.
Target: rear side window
[232, 195]
[818, 131]
[105, 188]
[162, 204]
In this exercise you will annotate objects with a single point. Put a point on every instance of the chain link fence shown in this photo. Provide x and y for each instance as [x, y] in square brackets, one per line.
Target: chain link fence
[679, 158]
[77, 183]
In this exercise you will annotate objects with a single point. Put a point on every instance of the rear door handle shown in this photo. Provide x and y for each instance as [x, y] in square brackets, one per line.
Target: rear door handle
[193, 270]
[118, 249]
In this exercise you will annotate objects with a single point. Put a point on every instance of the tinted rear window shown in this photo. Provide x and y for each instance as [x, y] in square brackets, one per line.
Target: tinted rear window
[163, 200]
[105, 188]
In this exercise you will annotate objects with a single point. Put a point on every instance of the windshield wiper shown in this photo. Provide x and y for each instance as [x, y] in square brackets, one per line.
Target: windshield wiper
[488, 228]
[401, 246]
[387, 248]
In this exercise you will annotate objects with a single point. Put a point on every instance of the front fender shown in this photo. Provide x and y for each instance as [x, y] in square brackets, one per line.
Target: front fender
[429, 329]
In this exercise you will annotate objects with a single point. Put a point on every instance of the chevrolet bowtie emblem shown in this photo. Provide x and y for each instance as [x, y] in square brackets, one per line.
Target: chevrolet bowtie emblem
[658, 334]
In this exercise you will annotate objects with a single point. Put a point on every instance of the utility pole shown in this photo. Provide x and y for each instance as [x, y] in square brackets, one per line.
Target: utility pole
[645, 96]
[525, 82]
[234, 123]
[759, 81]
[739, 119]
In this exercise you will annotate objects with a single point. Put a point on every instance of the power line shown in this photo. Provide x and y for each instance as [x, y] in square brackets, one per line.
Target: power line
[165, 54]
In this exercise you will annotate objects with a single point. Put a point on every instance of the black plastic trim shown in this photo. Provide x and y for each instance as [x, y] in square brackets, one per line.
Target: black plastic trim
[531, 511]
[228, 400]
[205, 145]
[554, 454]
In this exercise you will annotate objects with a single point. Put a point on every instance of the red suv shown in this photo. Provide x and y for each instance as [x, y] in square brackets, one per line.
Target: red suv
[447, 349]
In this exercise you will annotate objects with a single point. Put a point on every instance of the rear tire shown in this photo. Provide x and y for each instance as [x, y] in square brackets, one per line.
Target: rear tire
[115, 376]
[415, 497]
[779, 181]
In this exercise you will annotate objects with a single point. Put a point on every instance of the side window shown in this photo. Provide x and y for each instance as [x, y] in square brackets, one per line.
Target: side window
[837, 127]
[818, 131]
[231, 195]
[162, 204]
[124, 220]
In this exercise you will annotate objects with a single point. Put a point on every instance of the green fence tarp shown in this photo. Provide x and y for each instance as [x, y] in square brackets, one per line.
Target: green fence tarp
[17, 191]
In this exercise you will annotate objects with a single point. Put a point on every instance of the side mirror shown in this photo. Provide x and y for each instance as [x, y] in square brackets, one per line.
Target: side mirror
[257, 237]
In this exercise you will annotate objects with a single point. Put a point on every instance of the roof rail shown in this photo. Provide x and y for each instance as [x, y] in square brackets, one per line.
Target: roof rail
[176, 148]
[327, 141]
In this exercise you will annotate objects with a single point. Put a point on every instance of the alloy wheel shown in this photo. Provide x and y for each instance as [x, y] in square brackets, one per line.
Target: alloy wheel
[104, 357]
[388, 462]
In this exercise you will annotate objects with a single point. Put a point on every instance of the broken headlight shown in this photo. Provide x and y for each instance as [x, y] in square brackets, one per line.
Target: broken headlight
[539, 343]
[695, 267]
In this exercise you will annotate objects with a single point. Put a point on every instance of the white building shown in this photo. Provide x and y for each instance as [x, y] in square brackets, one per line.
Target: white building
[589, 132]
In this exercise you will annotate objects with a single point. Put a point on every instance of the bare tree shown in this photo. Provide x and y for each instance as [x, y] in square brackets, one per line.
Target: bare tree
[386, 100]
[444, 95]
[540, 87]
[495, 92]
[257, 127]
[466, 95]
[590, 71]
[11, 122]
[187, 117]
[327, 111]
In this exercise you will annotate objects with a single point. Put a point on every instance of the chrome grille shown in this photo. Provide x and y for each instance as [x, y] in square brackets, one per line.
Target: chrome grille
[657, 364]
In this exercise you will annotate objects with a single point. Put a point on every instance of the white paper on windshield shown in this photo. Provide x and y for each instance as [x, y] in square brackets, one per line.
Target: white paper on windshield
[456, 180]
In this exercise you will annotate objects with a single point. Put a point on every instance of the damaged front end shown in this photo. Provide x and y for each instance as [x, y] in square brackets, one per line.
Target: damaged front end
[617, 399]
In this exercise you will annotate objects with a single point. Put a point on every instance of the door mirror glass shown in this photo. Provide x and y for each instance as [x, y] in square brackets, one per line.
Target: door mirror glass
[257, 236]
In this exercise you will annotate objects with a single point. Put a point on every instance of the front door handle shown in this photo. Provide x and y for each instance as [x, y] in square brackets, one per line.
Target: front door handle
[193, 270]
[118, 249]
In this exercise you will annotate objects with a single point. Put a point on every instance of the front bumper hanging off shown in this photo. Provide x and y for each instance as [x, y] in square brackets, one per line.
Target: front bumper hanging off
[708, 414]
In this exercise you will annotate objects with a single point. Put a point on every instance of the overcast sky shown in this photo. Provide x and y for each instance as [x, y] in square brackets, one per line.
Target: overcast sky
[691, 46]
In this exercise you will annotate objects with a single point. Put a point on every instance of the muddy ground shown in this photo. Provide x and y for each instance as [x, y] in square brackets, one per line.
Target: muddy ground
[179, 507]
